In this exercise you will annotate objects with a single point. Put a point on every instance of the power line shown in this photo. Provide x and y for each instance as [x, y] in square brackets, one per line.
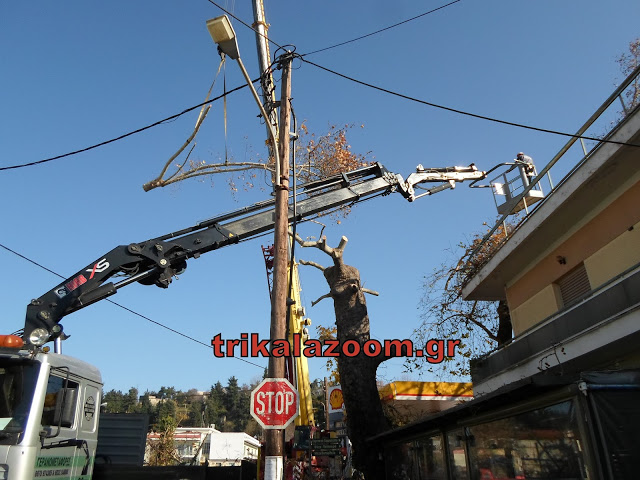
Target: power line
[127, 308]
[382, 29]
[121, 137]
[462, 112]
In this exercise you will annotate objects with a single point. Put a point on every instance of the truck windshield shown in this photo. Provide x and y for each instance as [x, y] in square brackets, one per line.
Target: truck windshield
[17, 383]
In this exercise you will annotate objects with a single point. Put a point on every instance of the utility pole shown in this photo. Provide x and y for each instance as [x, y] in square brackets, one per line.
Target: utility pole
[274, 448]
[264, 61]
[274, 439]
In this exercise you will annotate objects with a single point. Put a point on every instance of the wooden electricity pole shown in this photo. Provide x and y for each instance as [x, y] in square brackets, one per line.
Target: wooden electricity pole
[274, 448]
[274, 439]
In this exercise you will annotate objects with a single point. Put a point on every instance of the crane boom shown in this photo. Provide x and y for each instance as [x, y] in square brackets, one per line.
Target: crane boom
[158, 260]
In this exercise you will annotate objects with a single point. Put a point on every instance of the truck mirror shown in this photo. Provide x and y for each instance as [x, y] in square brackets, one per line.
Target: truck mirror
[65, 407]
[64, 413]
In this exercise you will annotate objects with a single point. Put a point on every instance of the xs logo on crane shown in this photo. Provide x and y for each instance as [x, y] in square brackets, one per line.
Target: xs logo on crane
[99, 267]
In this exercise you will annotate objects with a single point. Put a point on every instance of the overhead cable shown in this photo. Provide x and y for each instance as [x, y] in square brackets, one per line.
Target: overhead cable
[121, 137]
[126, 308]
[381, 30]
[462, 112]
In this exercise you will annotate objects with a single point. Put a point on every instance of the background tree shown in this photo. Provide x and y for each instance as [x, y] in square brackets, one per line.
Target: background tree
[324, 334]
[318, 402]
[162, 452]
[166, 393]
[131, 403]
[628, 63]
[167, 409]
[215, 410]
[481, 326]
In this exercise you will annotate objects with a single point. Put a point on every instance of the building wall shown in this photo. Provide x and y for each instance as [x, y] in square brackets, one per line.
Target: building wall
[617, 256]
[607, 244]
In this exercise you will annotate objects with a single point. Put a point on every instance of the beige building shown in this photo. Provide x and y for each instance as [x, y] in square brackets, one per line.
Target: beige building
[562, 399]
[570, 273]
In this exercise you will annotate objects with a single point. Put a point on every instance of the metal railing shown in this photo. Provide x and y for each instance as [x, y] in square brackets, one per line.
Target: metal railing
[611, 124]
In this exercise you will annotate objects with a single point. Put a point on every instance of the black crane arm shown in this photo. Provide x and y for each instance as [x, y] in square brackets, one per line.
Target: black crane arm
[158, 260]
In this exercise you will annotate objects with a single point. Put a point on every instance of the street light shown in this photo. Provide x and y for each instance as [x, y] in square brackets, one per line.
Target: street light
[224, 36]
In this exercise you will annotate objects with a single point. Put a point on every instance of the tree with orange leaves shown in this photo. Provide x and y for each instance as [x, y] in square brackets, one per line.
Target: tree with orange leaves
[480, 325]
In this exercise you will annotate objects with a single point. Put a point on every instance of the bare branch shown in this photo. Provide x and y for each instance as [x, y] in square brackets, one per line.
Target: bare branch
[207, 169]
[342, 245]
[158, 181]
[312, 264]
[370, 292]
[327, 295]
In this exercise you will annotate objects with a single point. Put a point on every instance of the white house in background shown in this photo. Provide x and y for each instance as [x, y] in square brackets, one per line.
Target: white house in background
[230, 448]
[212, 446]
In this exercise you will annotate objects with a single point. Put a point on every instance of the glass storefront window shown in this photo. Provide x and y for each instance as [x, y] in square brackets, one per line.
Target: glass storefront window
[457, 455]
[421, 459]
[428, 459]
[542, 444]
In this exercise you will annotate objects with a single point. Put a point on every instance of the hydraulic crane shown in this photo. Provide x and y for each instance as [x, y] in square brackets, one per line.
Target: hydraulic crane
[158, 260]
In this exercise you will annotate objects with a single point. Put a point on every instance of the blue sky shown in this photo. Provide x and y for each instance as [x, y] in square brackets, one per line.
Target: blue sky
[78, 73]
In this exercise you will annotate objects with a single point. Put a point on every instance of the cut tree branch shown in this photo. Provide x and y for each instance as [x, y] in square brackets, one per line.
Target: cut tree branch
[157, 182]
[326, 295]
[335, 253]
[313, 264]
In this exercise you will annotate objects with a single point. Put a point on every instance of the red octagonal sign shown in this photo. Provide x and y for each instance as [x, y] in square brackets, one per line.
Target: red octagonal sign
[274, 403]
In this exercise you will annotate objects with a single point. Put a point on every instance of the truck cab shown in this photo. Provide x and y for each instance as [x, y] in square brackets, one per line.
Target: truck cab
[49, 408]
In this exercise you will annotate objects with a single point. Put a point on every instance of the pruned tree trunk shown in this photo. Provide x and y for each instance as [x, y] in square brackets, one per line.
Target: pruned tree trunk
[364, 414]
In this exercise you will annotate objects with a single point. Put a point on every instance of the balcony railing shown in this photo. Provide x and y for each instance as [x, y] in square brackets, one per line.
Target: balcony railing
[596, 131]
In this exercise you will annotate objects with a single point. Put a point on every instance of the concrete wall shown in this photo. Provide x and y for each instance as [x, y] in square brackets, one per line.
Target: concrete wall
[608, 244]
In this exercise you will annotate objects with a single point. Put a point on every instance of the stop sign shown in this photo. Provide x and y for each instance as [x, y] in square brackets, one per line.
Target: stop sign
[274, 403]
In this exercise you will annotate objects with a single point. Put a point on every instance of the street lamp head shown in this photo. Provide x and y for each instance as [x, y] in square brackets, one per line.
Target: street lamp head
[224, 36]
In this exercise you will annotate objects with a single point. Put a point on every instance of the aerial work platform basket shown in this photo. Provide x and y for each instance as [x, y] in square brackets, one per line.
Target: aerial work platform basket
[512, 190]
[508, 187]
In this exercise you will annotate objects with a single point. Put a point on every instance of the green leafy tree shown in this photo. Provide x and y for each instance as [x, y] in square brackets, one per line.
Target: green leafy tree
[131, 402]
[166, 409]
[214, 407]
[162, 451]
[196, 414]
[167, 393]
[114, 400]
[231, 396]
[242, 414]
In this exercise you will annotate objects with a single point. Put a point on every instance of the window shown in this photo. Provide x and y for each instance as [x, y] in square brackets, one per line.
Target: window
[428, 455]
[574, 285]
[457, 455]
[17, 383]
[59, 401]
[543, 444]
